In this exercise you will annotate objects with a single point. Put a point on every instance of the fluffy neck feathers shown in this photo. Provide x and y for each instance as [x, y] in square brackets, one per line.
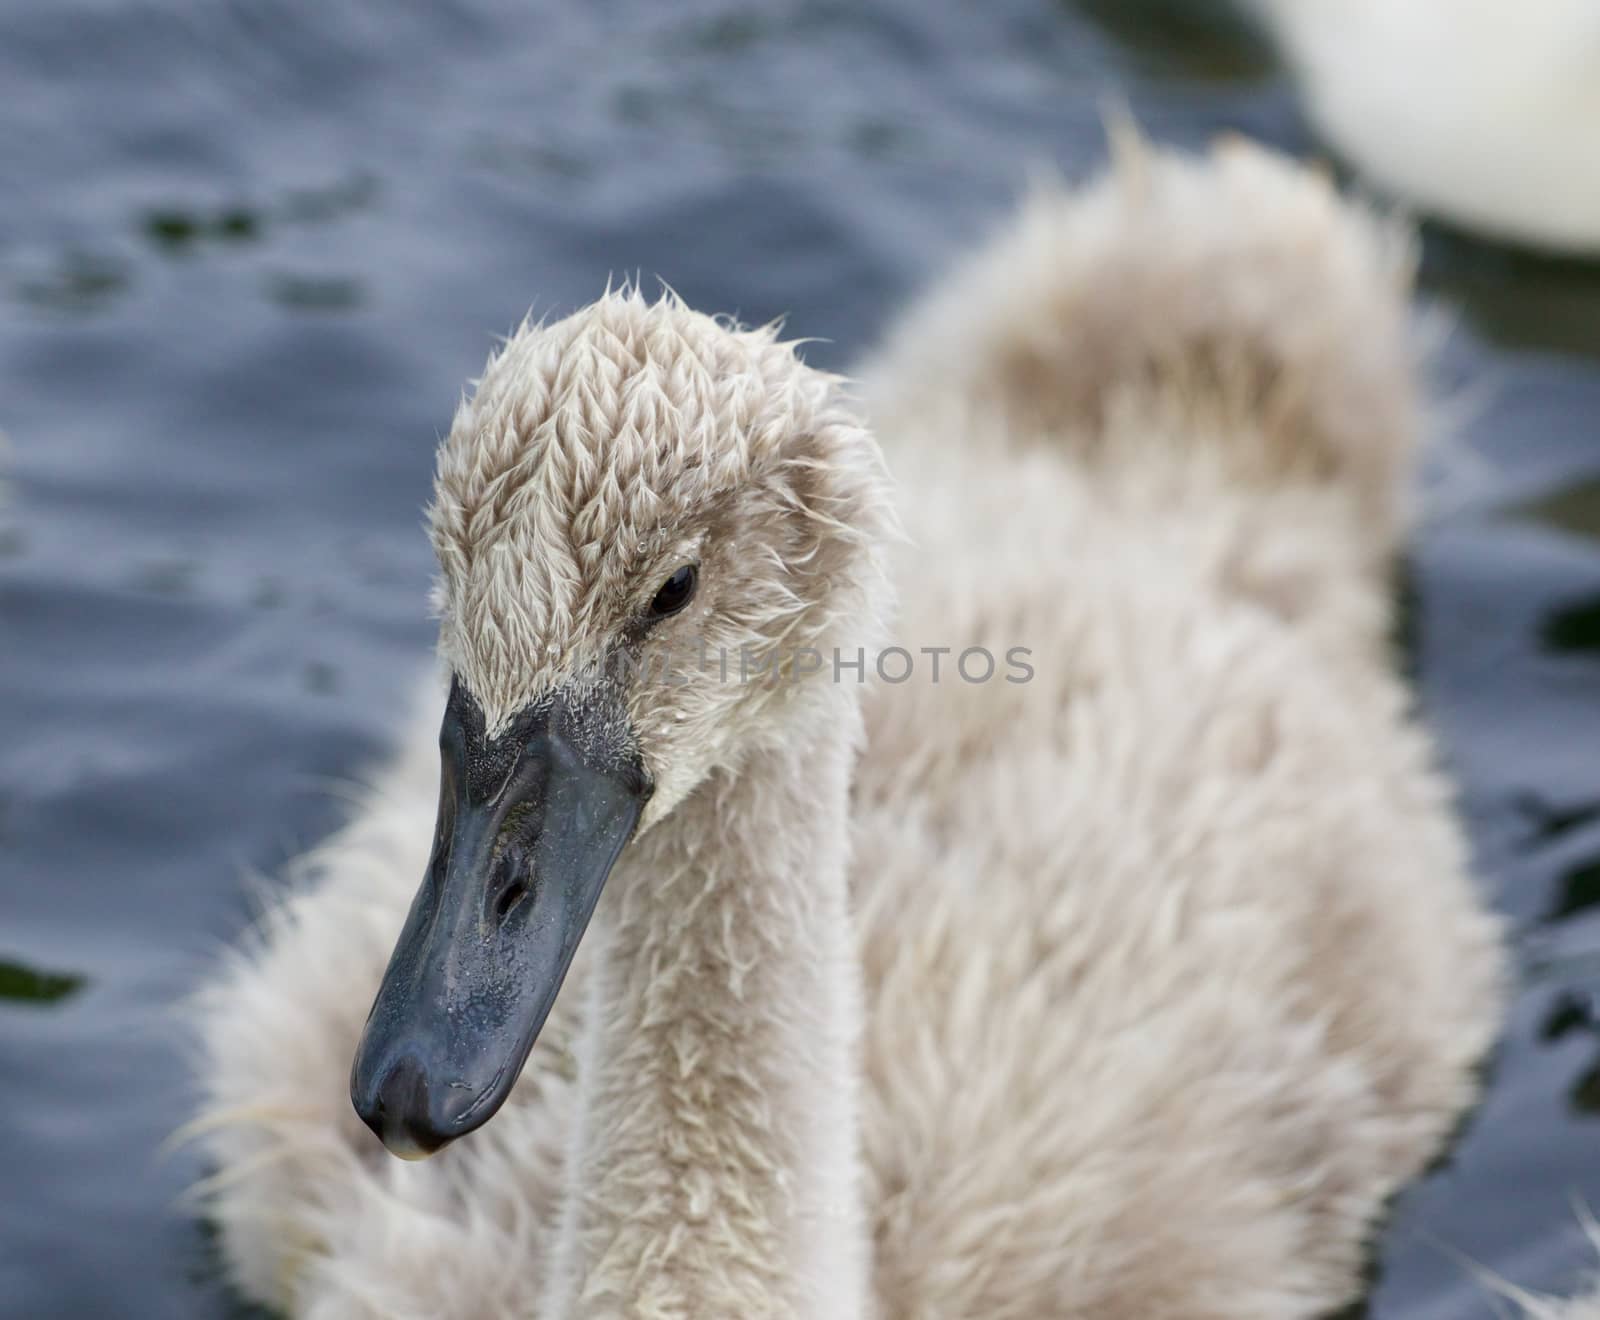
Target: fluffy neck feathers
[715, 1171]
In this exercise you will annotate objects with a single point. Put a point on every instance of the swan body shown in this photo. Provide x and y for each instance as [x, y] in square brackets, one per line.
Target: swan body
[1479, 112]
[1584, 1306]
[1134, 989]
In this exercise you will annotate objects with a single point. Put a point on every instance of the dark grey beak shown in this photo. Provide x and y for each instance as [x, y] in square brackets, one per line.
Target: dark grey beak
[529, 828]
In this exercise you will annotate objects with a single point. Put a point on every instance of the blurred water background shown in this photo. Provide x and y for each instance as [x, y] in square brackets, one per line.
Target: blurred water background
[249, 252]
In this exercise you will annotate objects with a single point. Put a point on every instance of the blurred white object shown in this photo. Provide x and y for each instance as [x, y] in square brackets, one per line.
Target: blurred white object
[1482, 112]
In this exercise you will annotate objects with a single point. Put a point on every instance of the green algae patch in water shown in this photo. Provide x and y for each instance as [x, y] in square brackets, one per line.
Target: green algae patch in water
[1574, 509]
[1579, 891]
[29, 985]
[1575, 628]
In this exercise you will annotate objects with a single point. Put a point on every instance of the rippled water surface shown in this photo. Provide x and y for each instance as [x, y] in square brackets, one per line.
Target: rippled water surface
[249, 251]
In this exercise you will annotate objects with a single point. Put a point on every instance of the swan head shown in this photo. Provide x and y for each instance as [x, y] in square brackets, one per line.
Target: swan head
[651, 525]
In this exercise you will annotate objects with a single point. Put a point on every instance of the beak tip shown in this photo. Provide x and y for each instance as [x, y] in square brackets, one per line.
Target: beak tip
[398, 1109]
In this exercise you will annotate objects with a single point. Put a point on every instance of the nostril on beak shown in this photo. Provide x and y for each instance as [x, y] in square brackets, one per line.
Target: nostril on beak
[513, 873]
[510, 896]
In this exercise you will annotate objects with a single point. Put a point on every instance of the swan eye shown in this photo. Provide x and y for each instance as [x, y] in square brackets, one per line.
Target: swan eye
[676, 592]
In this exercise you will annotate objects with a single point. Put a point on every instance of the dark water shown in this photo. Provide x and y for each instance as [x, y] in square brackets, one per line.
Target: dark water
[248, 254]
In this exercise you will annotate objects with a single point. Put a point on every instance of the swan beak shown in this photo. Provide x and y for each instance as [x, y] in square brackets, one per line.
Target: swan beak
[530, 824]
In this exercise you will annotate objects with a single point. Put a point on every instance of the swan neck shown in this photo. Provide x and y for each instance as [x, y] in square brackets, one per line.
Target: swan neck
[718, 1129]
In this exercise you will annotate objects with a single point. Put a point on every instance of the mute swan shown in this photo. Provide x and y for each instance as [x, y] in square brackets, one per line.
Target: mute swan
[1481, 112]
[1533, 1306]
[1585, 1306]
[1156, 974]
